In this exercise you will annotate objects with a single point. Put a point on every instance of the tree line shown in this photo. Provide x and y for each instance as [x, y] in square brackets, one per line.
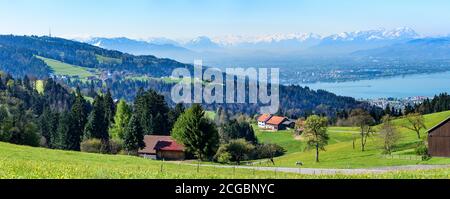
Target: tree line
[63, 119]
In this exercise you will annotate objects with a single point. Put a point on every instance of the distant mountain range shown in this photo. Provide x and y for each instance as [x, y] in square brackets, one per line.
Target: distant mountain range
[254, 50]
[161, 47]
[426, 48]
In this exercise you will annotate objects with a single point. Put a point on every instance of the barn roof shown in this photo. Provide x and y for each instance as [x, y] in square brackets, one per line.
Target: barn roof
[151, 141]
[276, 120]
[289, 122]
[264, 117]
[439, 125]
[168, 146]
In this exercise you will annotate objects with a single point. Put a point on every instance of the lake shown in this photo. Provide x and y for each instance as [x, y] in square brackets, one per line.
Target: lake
[398, 87]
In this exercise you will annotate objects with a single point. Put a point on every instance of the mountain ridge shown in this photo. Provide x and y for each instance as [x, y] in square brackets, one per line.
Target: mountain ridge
[249, 48]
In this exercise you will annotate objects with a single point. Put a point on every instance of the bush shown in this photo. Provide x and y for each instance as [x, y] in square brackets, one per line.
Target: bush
[422, 150]
[235, 150]
[91, 146]
[115, 146]
[97, 146]
[268, 151]
[223, 157]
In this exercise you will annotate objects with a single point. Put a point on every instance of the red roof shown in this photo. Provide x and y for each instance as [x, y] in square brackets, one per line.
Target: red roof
[276, 120]
[264, 117]
[168, 146]
[151, 141]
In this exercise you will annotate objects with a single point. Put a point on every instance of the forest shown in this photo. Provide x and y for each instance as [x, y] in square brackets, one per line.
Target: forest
[61, 118]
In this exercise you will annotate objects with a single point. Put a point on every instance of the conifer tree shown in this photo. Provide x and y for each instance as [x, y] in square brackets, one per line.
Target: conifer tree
[109, 108]
[96, 126]
[79, 114]
[134, 135]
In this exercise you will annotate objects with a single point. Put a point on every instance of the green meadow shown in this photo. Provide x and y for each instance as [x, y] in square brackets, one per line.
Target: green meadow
[61, 68]
[22, 162]
[340, 153]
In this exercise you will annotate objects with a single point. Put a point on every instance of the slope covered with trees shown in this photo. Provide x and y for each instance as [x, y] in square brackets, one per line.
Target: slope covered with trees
[22, 53]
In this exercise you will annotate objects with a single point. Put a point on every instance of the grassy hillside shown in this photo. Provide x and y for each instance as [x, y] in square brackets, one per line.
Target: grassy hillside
[108, 60]
[61, 68]
[292, 143]
[37, 163]
[27, 162]
[340, 153]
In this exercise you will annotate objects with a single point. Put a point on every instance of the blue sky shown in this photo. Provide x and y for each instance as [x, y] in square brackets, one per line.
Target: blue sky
[191, 18]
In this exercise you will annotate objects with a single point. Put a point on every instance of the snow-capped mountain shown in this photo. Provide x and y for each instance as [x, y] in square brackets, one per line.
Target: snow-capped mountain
[270, 43]
[164, 48]
[253, 48]
[348, 42]
[373, 35]
[161, 41]
[202, 43]
[235, 40]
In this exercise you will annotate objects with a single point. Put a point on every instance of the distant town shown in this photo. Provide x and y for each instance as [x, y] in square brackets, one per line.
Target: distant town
[397, 103]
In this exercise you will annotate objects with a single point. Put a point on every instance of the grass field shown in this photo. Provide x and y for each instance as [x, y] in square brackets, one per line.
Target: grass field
[293, 144]
[61, 68]
[21, 162]
[27, 162]
[284, 138]
[108, 60]
[340, 153]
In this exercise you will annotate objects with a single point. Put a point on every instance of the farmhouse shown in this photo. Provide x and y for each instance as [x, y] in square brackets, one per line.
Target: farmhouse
[439, 139]
[162, 148]
[275, 123]
[263, 119]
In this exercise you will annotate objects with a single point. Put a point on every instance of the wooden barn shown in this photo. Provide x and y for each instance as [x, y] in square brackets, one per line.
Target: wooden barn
[439, 139]
[162, 148]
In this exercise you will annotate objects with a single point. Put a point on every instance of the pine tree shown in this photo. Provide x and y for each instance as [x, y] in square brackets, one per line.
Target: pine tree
[388, 110]
[44, 126]
[96, 126]
[109, 107]
[152, 111]
[134, 135]
[79, 114]
[92, 92]
[175, 113]
[64, 128]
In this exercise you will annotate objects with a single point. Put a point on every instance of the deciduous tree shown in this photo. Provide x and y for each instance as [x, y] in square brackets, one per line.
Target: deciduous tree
[316, 133]
[197, 133]
[388, 134]
[416, 122]
[121, 120]
[363, 120]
